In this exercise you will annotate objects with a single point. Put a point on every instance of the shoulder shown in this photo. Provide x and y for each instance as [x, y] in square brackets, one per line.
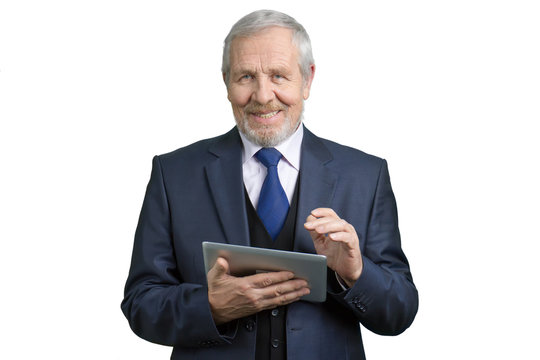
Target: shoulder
[347, 157]
[202, 151]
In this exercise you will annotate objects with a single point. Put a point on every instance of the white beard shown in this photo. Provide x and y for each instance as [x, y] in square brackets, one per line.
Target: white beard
[266, 137]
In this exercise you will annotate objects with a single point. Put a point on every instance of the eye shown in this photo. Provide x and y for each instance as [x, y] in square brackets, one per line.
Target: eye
[246, 77]
[278, 77]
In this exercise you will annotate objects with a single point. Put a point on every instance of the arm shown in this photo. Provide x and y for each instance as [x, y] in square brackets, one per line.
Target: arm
[158, 304]
[382, 294]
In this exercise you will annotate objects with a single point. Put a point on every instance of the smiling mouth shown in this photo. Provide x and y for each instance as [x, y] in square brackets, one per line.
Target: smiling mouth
[267, 115]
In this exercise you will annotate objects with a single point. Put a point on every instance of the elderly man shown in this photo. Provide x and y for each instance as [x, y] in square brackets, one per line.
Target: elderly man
[268, 182]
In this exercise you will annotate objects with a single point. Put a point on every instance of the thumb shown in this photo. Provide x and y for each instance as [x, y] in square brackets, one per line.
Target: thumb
[220, 268]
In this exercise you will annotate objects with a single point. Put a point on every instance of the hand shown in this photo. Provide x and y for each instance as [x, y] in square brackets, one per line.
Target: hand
[233, 297]
[337, 240]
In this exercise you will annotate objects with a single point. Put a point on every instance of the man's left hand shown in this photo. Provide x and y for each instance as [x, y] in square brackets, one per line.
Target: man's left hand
[337, 240]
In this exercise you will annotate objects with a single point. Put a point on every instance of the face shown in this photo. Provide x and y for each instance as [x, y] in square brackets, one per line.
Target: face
[266, 88]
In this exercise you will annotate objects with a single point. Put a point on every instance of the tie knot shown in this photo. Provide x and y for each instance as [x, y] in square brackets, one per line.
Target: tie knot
[268, 156]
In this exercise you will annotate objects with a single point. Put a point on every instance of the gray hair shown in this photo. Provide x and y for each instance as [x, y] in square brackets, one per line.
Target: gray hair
[260, 20]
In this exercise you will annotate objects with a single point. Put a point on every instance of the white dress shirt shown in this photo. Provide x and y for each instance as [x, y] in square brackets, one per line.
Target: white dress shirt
[254, 172]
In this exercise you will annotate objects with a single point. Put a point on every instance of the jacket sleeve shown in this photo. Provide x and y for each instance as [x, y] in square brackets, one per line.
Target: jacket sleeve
[158, 304]
[384, 299]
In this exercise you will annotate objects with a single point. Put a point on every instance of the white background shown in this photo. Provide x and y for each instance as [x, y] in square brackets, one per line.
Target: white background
[447, 91]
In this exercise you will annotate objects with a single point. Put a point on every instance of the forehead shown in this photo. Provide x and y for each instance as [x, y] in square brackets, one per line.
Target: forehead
[269, 47]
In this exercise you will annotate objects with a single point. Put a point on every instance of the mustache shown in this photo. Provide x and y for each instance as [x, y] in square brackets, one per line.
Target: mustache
[254, 107]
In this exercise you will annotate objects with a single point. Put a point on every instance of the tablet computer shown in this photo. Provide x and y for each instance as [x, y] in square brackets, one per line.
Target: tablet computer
[246, 260]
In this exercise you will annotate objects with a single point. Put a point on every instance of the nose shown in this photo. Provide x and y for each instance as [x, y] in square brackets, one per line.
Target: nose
[264, 91]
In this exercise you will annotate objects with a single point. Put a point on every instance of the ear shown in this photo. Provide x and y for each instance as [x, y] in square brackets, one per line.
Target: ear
[308, 81]
[225, 81]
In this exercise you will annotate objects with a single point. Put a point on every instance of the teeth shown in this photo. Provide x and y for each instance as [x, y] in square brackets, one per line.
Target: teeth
[269, 115]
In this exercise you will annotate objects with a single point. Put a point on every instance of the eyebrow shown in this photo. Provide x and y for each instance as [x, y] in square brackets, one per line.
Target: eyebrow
[243, 70]
[252, 71]
[280, 70]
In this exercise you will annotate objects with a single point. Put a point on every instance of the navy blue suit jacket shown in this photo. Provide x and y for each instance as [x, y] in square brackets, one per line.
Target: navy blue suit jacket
[196, 194]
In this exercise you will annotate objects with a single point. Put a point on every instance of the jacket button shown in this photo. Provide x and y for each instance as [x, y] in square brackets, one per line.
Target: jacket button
[361, 307]
[250, 325]
[275, 312]
[275, 343]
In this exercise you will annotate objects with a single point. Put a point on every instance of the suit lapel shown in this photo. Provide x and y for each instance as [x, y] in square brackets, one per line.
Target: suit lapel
[317, 186]
[226, 184]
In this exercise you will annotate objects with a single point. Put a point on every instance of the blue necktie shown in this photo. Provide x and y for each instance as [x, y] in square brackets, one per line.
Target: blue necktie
[273, 204]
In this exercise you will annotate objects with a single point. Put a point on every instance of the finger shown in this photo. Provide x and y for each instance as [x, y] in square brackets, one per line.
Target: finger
[270, 278]
[311, 225]
[271, 302]
[283, 288]
[323, 212]
[310, 222]
[310, 218]
[341, 236]
[220, 268]
[292, 296]
[320, 215]
[334, 226]
[288, 297]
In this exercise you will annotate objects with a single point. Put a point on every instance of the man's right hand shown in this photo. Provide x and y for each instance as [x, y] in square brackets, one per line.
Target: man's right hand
[233, 297]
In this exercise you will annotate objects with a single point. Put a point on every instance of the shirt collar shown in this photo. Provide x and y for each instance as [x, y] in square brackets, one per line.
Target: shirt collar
[289, 148]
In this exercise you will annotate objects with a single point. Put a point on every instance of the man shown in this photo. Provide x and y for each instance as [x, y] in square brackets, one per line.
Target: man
[269, 182]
